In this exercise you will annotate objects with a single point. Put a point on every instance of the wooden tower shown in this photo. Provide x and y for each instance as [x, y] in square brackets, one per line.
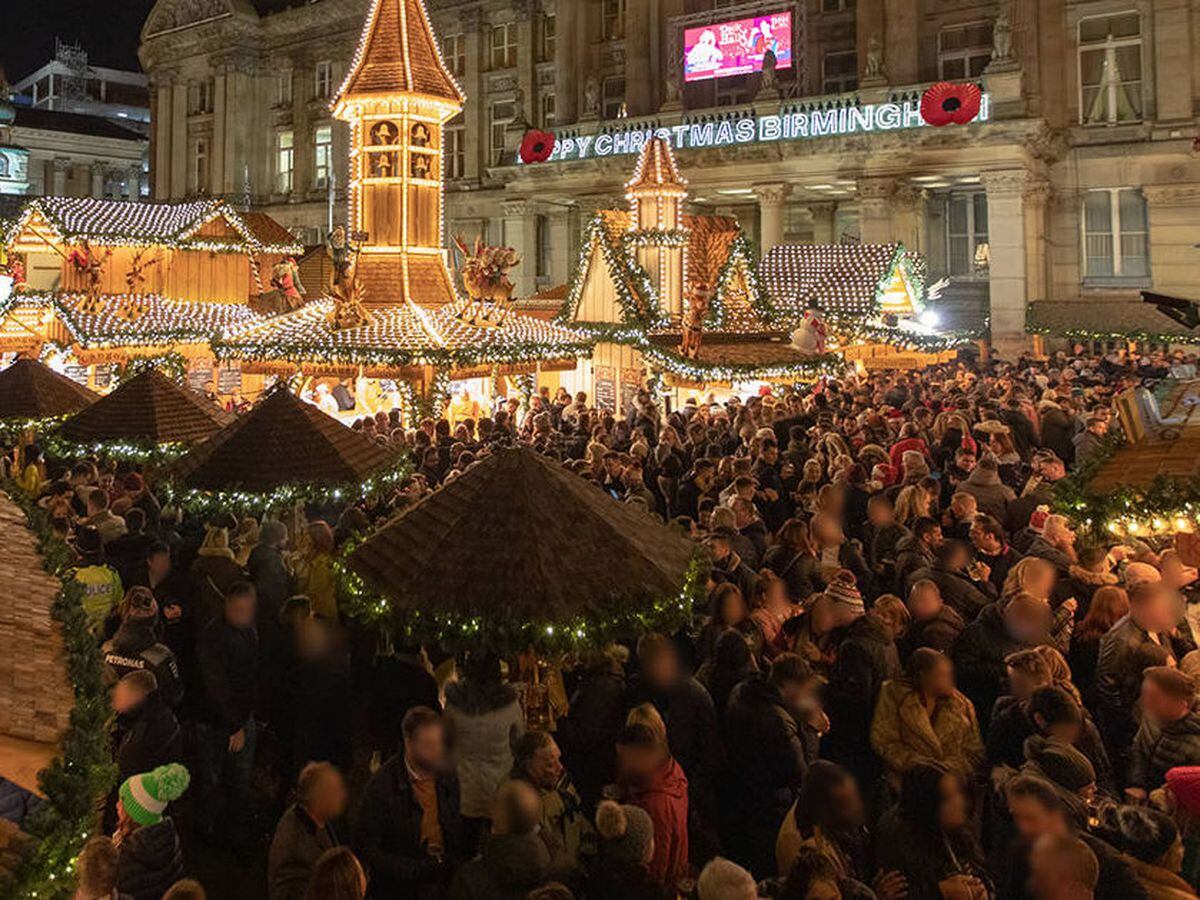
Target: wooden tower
[397, 97]
[656, 194]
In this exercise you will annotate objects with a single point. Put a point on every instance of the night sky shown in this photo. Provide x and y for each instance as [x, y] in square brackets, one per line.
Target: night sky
[107, 29]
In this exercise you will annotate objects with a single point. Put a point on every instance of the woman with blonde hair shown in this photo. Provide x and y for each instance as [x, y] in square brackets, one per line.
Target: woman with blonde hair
[912, 503]
[647, 714]
[315, 576]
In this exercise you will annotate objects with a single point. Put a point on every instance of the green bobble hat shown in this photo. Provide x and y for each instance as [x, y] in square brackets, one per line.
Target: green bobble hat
[146, 796]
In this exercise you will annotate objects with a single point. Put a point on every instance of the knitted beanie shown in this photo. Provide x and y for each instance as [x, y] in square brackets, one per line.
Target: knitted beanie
[1060, 762]
[843, 590]
[146, 796]
[626, 832]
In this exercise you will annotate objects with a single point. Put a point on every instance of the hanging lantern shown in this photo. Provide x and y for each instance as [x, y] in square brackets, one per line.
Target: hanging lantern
[947, 103]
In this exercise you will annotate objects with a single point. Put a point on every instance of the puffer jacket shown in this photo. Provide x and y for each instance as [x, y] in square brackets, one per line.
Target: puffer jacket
[904, 733]
[508, 868]
[991, 494]
[149, 861]
[1162, 746]
[486, 724]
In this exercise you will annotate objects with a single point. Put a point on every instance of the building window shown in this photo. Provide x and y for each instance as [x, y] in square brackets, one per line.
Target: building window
[456, 150]
[1115, 234]
[549, 31]
[614, 19]
[547, 110]
[323, 80]
[454, 49]
[839, 72]
[200, 97]
[543, 247]
[1110, 69]
[613, 97]
[501, 117]
[283, 88]
[200, 166]
[285, 161]
[964, 50]
[504, 46]
[322, 156]
[967, 250]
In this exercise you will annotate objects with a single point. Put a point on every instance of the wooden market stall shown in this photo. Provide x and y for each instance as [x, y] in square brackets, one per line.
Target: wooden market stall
[31, 391]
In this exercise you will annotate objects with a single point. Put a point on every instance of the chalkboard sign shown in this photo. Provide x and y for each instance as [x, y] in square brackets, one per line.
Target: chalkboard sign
[104, 376]
[199, 379]
[229, 379]
[606, 387]
[631, 383]
[77, 373]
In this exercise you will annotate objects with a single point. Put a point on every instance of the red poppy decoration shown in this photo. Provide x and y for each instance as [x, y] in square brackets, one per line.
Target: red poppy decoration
[947, 103]
[537, 146]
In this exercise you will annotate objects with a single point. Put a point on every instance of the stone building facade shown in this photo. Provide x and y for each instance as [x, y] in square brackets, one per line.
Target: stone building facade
[1081, 184]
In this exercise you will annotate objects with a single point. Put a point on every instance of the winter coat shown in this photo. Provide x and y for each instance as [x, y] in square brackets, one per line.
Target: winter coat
[228, 659]
[1117, 878]
[508, 867]
[1082, 584]
[210, 579]
[565, 829]
[960, 593]
[798, 571]
[1023, 507]
[1011, 725]
[136, 646]
[911, 555]
[665, 799]
[149, 861]
[387, 835]
[979, 657]
[1058, 431]
[923, 859]
[732, 570]
[1162, 746]
[758, 536]
[1159, 883]
[1000, 564]
[990, 493]
[1119, 679]
[1043, 549]
[272, 583]
[486, 723]
[146, 738]
[938, 632]
[314, 711]
[399, 683]
[904, 733]
[297, 845]
[866, 658]
[617, 880]
[588, 733]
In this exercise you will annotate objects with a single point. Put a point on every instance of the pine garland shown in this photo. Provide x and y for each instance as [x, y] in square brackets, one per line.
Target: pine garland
[84, 771]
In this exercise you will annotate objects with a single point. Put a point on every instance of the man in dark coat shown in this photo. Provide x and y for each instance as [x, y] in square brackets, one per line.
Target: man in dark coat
[305, 831]
[694, 486]
[1024, 435]
[409, 830]
[767, 753]
[1048, 468]
[594, 718]
[979, 653]
[934, 624]
[401, 681]
[967, 596]
[1146, 632]
[728, 566]
[1169, 735]
[228, 657]
[135, 647]
[514, 859]
[917, 550]
[145, 733]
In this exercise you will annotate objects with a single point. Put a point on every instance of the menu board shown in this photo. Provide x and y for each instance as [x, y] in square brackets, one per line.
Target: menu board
[103, 376]
[631, 381]
[229, 379]
[198, 379]
[77, 373]
[606, 388]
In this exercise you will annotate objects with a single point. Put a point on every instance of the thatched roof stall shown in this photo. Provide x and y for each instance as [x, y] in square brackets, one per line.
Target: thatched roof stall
[149, 408]
[32, 390]
[283, 440]
[518, 551]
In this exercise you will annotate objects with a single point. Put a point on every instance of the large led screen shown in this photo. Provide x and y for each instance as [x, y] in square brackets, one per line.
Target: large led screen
[738, 47]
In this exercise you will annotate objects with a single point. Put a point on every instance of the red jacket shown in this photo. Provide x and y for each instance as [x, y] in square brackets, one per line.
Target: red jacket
[665, 800]
[896, 456]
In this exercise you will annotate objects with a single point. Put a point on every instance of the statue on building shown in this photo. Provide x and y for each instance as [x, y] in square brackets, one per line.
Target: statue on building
[485, 278]
[1002, 35]
[874, 69]
[768, 85]
[285, 278]
[90, 266]
[420, 135]
[591, 98]
[520, 120]
[812, 335]
[699, 300]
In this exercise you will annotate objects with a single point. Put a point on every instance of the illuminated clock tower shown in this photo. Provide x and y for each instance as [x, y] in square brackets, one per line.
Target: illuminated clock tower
[656, 194]
[397, 97]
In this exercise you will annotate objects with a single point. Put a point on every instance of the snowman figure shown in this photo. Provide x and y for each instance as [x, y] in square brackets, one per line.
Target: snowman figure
[811, 336]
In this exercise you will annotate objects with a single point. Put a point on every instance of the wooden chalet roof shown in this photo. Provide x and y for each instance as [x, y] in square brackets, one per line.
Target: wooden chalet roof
[656, 171]
[842, 279]
[1120, 318]
[32, 390]
[402, 335]
[165, 322]
[282, 440]
[564, 548]
[398, 54]
[125, 223]
[149, 407]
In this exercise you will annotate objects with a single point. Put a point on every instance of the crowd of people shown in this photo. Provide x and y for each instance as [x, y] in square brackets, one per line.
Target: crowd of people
[911, 677]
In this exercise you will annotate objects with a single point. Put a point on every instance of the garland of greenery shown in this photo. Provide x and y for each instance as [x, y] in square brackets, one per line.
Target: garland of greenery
[623, 618]
[172, 364]
[84, 770]
[146, 453]
[1139, 335]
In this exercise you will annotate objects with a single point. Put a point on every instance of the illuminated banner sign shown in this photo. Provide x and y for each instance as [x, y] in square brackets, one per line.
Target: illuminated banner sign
[792, 126]
[738, 47]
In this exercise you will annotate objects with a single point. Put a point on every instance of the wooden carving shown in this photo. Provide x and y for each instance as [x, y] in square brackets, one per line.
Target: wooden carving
[485, 278]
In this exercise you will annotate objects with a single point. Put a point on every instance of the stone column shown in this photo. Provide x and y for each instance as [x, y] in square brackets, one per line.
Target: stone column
[640, 82]
[771, 198]
[824, 217]
[216, 152]
[97, 173]
[61, 167]
[161, 170]
[1038, 247]
[1172, 211]
[520, 232]
[562, 262]
[1173, 60]
[1007, 282]
[908, 216]
[902, 41]
[567, 25]
[135, 183]
[475, 132]
[875, 210]
[177, 162]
